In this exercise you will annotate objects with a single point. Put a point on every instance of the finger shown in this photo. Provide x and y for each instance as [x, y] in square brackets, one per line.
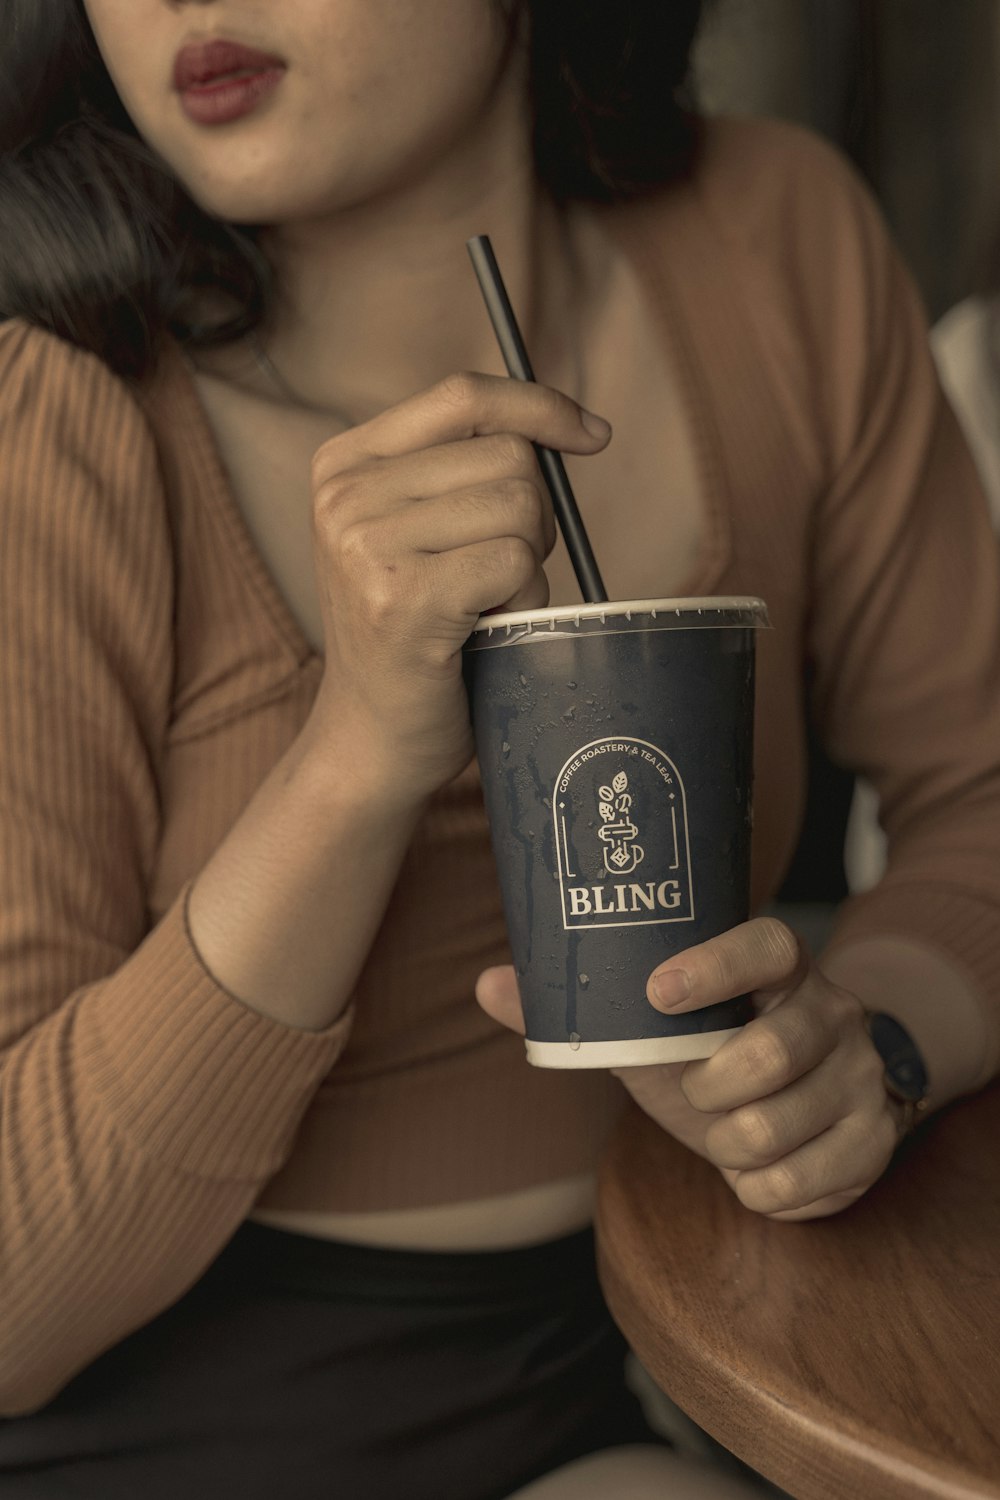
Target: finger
[437, 470]
[767, 1055]
[501, 574]
[499, 996]
[847, 1158]
[467, 405]
[440, 594]
[763, 1131]
[507, 508]
[833, 1203]
[759, 955]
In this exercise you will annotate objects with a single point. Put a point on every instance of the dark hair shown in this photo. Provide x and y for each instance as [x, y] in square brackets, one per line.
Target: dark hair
[101, 245]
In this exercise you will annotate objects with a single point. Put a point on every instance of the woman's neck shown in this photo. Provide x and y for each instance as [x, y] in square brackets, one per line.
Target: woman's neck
[380, 301]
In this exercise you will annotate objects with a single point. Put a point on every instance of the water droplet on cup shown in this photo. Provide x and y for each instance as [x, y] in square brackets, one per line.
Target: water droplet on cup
[571, 685]
[584, 980]
[505, 748]
[523, 679]
[569, 714]
[574, 1040]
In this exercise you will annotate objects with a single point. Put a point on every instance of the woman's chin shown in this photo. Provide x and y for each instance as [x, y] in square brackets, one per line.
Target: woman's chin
[269, 202]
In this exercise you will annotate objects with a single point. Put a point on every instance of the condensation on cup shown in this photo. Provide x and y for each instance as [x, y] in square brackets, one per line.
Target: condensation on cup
[615, 744]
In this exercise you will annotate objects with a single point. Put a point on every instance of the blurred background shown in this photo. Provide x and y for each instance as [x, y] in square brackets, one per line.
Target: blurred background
[910, 90]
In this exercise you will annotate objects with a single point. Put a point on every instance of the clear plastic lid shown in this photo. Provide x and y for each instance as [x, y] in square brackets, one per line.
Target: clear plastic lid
[712, 612]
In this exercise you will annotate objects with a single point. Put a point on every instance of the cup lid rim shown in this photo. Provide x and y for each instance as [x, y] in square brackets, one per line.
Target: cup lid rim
[692, 604]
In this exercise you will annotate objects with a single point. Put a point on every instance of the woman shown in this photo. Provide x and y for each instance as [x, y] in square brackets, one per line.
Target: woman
[284, 1211]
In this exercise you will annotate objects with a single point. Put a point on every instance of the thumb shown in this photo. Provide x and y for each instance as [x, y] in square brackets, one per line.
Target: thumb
[498, 995]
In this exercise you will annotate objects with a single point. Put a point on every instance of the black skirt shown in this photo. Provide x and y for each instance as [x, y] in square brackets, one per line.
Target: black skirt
[300, 1368]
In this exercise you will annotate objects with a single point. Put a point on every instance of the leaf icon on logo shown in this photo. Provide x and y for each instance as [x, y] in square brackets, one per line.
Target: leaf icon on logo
[620, 782]
[605, 793]
[606, 810]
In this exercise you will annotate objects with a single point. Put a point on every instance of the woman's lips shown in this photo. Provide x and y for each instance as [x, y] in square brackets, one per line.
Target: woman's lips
[219, 81]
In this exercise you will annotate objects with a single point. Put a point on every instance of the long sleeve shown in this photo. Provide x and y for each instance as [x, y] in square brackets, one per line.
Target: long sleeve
[904, 632]
[864, 491]
[142, 1108]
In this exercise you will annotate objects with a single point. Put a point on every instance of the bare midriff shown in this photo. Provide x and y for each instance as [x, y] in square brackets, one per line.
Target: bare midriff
[526, 1217]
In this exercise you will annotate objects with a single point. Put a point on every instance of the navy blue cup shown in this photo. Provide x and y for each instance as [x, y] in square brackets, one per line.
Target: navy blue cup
[615, 743]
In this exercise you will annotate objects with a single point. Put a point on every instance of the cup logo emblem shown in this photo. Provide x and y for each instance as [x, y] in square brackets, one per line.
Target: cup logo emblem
[630, 864]
[621, 853]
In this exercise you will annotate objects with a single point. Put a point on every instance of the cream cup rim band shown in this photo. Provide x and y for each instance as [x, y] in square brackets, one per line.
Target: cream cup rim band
[569, 614]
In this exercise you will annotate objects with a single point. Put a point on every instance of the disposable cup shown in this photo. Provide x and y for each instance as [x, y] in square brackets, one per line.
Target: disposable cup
[615, 744]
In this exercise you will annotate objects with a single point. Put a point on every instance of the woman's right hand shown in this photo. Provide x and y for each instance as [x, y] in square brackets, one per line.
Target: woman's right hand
[425, 517]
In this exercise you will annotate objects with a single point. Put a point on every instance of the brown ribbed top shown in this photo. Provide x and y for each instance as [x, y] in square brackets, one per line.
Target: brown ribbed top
[151, 675]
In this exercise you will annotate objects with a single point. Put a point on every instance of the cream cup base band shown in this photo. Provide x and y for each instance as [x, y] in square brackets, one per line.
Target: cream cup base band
[628, 1053]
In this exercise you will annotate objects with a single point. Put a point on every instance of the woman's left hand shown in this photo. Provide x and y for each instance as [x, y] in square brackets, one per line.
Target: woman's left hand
[793, 1110]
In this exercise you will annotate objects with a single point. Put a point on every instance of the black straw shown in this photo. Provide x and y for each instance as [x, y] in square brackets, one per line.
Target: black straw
[553, 470]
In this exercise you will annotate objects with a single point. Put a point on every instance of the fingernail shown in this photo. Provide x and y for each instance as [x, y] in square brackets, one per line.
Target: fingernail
[595, 425]
[672, 987]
